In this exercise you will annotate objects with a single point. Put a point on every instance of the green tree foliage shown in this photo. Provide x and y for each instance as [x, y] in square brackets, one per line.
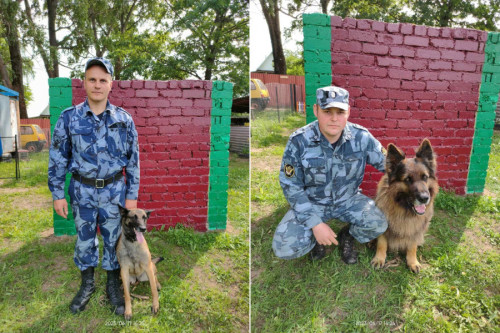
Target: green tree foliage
[294, 63]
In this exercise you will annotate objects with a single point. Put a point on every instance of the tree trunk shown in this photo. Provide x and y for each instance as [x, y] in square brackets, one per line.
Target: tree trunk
[271, 13]
[324, 6]
[4, 74]
[9, 20]
[54, 61]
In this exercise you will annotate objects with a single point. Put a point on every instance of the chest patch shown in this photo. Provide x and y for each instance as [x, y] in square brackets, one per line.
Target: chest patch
[289, 170]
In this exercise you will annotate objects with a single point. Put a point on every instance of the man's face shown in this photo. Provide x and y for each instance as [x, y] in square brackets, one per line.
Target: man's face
[97, 84]
[331, 122]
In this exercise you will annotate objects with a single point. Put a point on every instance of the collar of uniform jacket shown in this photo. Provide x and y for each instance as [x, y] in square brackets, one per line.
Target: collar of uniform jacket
[346, 133]
[109, 107]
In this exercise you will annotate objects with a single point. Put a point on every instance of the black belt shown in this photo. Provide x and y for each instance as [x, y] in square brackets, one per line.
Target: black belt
[98, 183]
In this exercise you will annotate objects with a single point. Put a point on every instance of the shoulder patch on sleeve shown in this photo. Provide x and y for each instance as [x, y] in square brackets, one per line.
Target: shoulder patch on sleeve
[289, 170]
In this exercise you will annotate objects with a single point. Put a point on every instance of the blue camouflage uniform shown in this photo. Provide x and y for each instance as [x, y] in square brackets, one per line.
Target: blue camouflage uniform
[99, 148]
[321, 182]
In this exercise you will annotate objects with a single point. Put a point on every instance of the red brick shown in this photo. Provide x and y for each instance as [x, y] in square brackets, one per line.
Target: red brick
[420, 30]
[147, 130]
[428, 54]
[424, 95]
[346, 46]
[158, 103]
[477, 58]
[193, 93]
[456, 123]
[386, 61]
[409, 123]
[446, 32]
[426, 75]
[125, 84]
[375, 49]
[452, 55]
[361, 103]
[415, 64]
[387, 83]
[464, 86]
[363, 24]
[150, 84]
[339, 34]
[378, 26]
[361, 59]
[426, 106]
[157, 121]
[402, 51]
[398, 94]
[402, 105]
[440, 65]
[400, 74]
[446, 115]
[466, 45]
[336, 21]
[459, 33]
[134, 102]
[146, 93]
[193, 112]
[373, 114]
[406, 28]
[170, 112]
[202, 103]
[464, 66]
[375, 93]
[161, 85]
[413, 85]
[442, 132]
[171, 129]
[181, 102]
[393, 27]
[137, 84]
[433, 32]
[363, 36]
[195, 129]
[122, 93]
[390, 39]
[171, 93]
[437, 85]
[416, 41]
[339, 81]
[442, 43]
[361, 82]
[471, 77]
[419, 133]
[173, 84]
[374, 71]
[388, 104]
[398, 114]
[396, 133]
[185, 84]
[375, 104]
[451, 76]
[346, 69]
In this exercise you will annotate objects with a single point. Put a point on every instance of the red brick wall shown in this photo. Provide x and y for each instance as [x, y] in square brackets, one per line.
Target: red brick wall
[410, 82]
[173, 122]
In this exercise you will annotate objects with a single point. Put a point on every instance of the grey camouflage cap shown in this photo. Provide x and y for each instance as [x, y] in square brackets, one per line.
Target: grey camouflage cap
[102, 62]
[332, 97]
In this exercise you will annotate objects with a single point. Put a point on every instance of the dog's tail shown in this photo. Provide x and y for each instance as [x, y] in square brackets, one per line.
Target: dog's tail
[157, 260]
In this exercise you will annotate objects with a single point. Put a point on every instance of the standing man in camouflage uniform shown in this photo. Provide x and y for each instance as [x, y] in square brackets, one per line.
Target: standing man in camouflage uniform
[322, 168]
[95, 141]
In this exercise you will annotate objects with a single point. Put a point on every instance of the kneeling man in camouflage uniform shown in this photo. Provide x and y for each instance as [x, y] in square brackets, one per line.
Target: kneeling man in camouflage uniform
[322, 168]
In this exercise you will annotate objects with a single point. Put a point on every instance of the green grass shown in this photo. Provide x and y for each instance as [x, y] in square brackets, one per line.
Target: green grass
[458, 288]
[204, 277]
[493, 175]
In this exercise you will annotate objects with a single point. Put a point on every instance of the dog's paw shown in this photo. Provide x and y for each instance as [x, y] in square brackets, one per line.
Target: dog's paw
[378, 262]
[127, 315]
[415, 267]
[154, 309]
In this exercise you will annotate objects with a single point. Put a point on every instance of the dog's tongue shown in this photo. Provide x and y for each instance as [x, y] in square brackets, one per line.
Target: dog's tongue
[139, 236]
[420, 209]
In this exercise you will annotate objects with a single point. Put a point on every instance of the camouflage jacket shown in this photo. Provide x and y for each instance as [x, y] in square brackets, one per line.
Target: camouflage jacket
[94, 148]
[313, 172]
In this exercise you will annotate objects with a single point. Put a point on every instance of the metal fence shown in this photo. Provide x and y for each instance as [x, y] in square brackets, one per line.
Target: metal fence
[285, 99]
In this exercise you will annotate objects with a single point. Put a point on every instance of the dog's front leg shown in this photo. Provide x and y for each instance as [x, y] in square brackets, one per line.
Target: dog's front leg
[411, 258]
[154, 292]
[379, 260]
[124, 272]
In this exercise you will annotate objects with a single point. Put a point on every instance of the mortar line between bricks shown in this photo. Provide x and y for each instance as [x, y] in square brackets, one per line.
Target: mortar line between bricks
[488, 92]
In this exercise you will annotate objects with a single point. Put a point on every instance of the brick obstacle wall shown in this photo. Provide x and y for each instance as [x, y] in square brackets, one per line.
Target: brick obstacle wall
[407, 83]
[183, 129]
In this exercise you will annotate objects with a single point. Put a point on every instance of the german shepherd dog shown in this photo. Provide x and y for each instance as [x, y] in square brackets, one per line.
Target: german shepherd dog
[406, 196]
[134, 257]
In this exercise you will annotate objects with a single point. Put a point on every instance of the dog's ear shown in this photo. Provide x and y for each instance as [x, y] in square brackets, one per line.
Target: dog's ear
[148, 212]
[426, 154]
[394, 157]
[123, 211]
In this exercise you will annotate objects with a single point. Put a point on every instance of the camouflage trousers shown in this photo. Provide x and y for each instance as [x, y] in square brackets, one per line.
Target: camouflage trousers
[293, 239]
[91, 208]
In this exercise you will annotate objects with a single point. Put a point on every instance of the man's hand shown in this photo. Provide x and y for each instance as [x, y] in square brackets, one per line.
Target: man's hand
[130, 204]
[324, 234]
[61, 207]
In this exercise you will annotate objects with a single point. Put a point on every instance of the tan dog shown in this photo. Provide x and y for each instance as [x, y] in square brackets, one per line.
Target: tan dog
[406, 196]
[135, 260]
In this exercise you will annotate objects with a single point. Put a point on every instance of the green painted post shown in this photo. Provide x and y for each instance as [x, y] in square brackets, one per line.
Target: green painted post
[485, 117]
[60, 98]
[222, 96]
[317, 57]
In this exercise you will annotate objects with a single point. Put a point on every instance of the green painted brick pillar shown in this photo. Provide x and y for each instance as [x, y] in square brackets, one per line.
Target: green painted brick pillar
[317, 57]
[222, 99]
[60, 98]
[485, 117]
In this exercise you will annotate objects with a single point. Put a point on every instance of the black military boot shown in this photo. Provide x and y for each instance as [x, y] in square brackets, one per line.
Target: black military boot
[86, 290]
[115, 294]
[318, 252]
[346, 245]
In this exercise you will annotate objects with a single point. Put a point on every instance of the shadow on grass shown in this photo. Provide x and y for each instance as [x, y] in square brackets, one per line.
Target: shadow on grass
[300, 295]
[39, 280]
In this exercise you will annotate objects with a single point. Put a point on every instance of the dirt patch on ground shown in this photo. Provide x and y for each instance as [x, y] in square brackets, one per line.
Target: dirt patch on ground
[48, 237]
[270, 164]
[12, 190]
[32, 202]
